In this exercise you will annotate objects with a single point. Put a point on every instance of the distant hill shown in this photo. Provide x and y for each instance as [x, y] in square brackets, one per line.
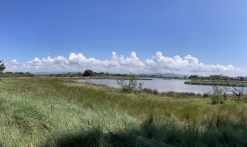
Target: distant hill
[156, 74]
[165, 74]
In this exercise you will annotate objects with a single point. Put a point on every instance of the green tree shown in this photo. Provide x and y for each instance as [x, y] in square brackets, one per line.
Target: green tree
[193, 77]
[88, 73]
[2, 67]
[130, 85]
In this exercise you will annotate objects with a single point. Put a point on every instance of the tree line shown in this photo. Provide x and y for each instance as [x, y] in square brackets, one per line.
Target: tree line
[196, 77]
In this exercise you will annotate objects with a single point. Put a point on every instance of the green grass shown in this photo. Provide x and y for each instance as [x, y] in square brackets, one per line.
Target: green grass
[51, 112]
[29, 117]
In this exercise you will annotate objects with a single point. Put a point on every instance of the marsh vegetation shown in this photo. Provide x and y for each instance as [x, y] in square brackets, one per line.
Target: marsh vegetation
[51, 112]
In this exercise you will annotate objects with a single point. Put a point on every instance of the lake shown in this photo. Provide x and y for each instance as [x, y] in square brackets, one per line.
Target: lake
[159, 84]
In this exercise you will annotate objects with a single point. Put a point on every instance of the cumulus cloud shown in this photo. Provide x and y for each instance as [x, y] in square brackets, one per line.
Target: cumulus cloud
[14, 62]
[132, 61]
[120, 64]
[78, 62]
[188, 65]
[47, 64]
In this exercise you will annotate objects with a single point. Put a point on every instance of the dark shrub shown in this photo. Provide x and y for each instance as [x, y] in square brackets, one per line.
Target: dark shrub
[180, 94]
[155, 92]
[163, 94]
[205, 95]
[192, 94]
[199, 95]
[170, 94]
[148, 90]
[88, 73]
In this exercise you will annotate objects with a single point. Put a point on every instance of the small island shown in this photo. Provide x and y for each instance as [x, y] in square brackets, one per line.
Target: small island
[218, 80]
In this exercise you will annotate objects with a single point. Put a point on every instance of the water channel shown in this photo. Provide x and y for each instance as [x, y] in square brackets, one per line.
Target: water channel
[159, 84]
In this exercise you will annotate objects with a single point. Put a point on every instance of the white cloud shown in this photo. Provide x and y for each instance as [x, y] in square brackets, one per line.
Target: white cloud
[132, 61]
[14, 62]
[120, 64]
[12, 65]
[191, 60]
[186, 65]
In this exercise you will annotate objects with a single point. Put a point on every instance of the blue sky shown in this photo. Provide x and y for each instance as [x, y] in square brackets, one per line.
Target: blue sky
[184, 36]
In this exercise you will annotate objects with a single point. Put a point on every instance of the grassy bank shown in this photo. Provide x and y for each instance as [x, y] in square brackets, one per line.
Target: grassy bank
[51, 112]
[218, 83]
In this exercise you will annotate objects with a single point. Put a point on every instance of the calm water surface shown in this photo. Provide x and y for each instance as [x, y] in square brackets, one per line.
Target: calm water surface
[160, 84]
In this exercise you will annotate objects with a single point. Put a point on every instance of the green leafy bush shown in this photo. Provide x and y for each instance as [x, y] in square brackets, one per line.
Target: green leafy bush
[217, 95]
[130, 86]
[88, 73]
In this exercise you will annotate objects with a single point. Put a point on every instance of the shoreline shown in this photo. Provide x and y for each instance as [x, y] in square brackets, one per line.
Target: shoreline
[217, 83]
[107, 78]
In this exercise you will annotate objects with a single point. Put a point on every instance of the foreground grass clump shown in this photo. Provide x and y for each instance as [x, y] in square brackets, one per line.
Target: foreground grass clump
[29, 118]
[50, 112]
[169, 133]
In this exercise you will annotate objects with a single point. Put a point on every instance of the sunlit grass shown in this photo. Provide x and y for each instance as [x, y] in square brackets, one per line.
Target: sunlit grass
[29, 117]
[50, 112]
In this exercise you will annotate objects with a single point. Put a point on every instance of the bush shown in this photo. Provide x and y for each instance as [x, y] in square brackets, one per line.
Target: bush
[132, 84]
[148, 90]
[239, 92]
[170, 94]
[205, 95]
[199, 95]
[163, 94]
[217, 95]
[155, 92]
[88, 73]
[192, 94]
